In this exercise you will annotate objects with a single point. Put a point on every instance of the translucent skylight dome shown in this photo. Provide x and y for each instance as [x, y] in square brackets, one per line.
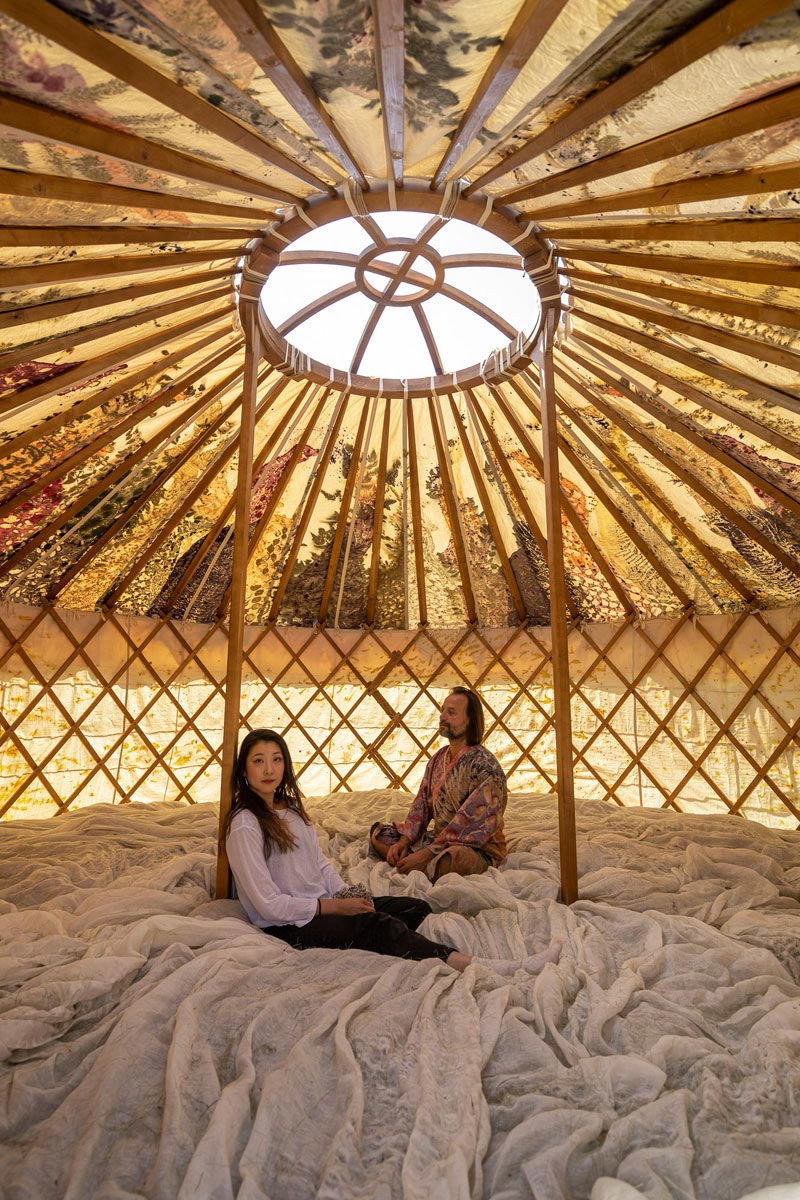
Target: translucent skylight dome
[400, 295]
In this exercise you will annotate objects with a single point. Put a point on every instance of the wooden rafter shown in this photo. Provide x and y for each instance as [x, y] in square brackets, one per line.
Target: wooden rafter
[775, 109]
[187, 575]
[377, 519]
[389, 38]
[317, 402]
[751, 310]
[51, 125]
[530, 25]
[108, 361]
[488, 512]
[83, 270]
[416, 512]
[569, 511]
[93, 333]
[722, 26]
[344, 516]
[108, 195]
[85, 302]
[132, 511]
[715, 335]
[766, 434]
[723, 229]
[452, 506]
[429, 339]
[691, 431]
[51, 236]
[299, 532]
[78, 506]
[343, 258]
[613, 509]
[246, 20]
[767, 274]
[210, 362]
[57, 26]
[689, 190]
[317, 306]
[503, 469]
[74, 455]
[643, 438]
[627, 469]
[480, 309]
[696, 362]
[399, 277]
[214, 468]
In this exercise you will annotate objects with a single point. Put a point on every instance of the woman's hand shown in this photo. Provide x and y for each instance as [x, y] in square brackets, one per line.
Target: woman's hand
[397, 851]
[349, 907]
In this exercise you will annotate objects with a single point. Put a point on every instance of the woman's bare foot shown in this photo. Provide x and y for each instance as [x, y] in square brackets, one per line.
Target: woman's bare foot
[458, 960]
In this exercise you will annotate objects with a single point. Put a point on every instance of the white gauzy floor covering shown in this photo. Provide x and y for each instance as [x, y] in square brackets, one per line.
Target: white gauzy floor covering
[150, 1051]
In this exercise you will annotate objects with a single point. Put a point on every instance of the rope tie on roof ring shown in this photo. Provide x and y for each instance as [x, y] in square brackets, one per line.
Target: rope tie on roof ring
[392, 194]
[405, 388]
[535, 272]
[449, 199]
[274, 233]
[487, 212]
[529, 228]
[251, 273]
[354, 198]
[349, 381]
[301, 212]
[299, 363]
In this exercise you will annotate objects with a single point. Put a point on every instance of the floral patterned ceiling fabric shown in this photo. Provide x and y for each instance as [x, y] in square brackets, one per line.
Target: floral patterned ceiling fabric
[146, 149]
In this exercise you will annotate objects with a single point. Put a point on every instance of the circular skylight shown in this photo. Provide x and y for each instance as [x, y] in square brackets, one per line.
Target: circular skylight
[400, 295]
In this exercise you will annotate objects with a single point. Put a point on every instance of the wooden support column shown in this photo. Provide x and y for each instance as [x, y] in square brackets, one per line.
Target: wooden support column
[543, 357]
[233, 673]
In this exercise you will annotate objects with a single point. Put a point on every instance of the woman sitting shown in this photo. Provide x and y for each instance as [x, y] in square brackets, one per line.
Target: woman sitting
[290, 890]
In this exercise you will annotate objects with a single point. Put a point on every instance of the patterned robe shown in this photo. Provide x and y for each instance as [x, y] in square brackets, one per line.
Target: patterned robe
[466, 802]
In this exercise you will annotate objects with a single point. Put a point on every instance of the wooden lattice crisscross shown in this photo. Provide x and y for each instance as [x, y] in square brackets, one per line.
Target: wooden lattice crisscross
[378, 671]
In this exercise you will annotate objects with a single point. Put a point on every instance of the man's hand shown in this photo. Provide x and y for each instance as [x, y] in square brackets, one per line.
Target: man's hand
[417, 861]
[397, 851]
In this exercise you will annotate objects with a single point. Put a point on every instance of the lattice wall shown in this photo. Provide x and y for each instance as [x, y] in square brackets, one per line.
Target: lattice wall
[696, 714]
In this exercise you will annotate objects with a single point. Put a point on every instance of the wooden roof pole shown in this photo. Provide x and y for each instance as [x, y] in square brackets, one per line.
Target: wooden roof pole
[543, 356]
[233, 673]
[389, 21]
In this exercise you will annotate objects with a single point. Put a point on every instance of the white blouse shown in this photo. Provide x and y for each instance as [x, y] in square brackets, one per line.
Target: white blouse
[283, 889]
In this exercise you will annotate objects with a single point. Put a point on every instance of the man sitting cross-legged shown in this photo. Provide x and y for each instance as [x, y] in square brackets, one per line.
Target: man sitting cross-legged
[463, 791]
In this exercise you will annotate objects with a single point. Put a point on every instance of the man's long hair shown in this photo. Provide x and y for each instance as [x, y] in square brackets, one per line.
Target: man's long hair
[475, 724]
[276, 835]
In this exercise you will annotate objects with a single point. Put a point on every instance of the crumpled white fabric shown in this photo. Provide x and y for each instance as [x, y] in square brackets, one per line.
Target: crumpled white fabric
[149, 1051]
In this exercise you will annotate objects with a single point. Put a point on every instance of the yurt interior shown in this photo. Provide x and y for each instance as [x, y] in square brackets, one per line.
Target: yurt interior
[353, 351]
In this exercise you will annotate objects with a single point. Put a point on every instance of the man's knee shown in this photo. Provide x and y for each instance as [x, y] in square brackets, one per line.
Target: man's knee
[460, 860]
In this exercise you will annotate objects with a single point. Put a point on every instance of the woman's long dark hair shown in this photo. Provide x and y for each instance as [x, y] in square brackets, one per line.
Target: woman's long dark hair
[276, 834]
